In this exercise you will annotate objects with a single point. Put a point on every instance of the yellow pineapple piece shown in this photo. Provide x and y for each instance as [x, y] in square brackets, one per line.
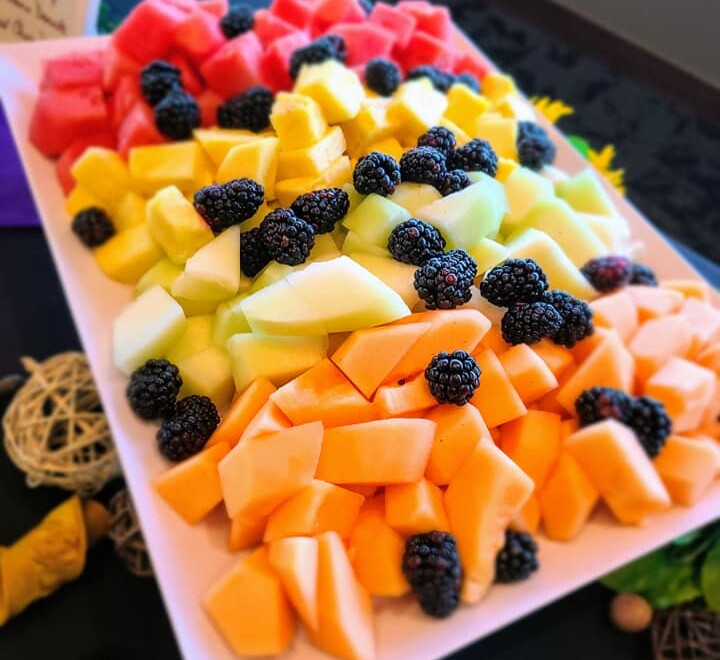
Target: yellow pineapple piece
[465, 106]
[312, 160]
[256, 160]
[103, 173]
[371, 124]
[336, 88]
[130, 211]
[181, 164]
[216, 142]
[389, 146]
[506, 167]
[496, 85]
[461, 137]
[500, 133]
[415, 107]
[298, 120]
[79, 199]
[512, 106]
[337, 174]
[128, 255]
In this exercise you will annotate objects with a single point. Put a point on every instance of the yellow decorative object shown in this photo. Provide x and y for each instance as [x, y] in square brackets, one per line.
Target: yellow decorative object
[602, 162]
[552, 109]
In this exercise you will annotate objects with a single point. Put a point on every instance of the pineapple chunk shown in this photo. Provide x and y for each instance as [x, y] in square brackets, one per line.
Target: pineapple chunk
[389, 146]
[128, 254]
[256, 160]
[501, 133]
[130, 211]
[181, 164]
[496, 85]
[298, 120]
[370, 124]
[103, 173]
[80, 198]
[337, 174]
[337, 89]
[415, 107]
[465, 106]
[216, 142]
[312, 160]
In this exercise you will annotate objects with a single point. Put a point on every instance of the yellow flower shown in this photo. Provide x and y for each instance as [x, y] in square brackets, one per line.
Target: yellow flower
[552, 110]
[602, 162]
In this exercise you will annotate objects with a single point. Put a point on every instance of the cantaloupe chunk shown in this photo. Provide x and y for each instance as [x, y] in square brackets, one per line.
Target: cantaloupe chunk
[249, 607]
[377, 550]
[459, 429]
[687, 467]
[533, 442]
[612, 458]
[366, 490]
[653, 301]
[323, 393]
[415, 508]
[690, 288]
[410, 398]
[568, 427]
[609, 365]
[494, 340]
[616, 311]
[558, 358]
[269, 419]
[241, 412]
[482, 499]
[319, 507]
[496, 398]
[259, 473]
[192, 488]
[567, 499]
[657, 341]
[245, 532]
[345, 621]
[704, 320]
[388, 451]
[549, 403]
[295, 560]
[367, 356]
[581, 351]
[528, 518]
[710, 358]
[528, 373]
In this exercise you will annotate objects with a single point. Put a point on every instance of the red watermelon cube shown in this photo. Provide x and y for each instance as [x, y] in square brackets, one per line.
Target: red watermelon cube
[424, 49]
[276, 60]
[364, 41]
[475, 64]
[148, 31]
[434, 20]
[269, 27]
[126, 94]
[208, 102]
[328, 13]
[235, 67]
[73, 70]
[401, 23]
[138, 129]
[295, 12]
[117, 65]
[215, 7]
[191, 80]
[199, 36]
[64, 164]
[182, 5]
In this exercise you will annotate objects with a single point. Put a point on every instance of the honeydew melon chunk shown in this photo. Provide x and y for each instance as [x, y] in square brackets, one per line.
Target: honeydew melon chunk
[353, 242]
[128, 254]
[413, 196]
[272, 273]
[207, 373]
[554, 174]
[279, 359]
[162, 273]
[374, 219]
[229, 320]
[196, 338]
[487, 253]
[146, 329]
[613, 231]
[397, 275]
[216, 142]
[585, 193]
[524, 188]
[324, 249]
[354, 197]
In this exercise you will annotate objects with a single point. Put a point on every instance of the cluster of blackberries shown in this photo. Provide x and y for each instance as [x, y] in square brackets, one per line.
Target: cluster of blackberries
[328, 47]
[249, 110]
[445, 281]
[223, 205]
[441, 80]
[612, 272]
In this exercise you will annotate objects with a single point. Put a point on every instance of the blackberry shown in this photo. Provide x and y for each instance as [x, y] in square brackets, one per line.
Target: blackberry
[415, 241]
[177, 115]
[438, 137]
[157, 79]
[382, 76]
[376, 173]
[577, 318]
[223, 205]
[475, 156]
[441, 80]
[367, 5]
[445, 282]
[185, 432]
[599, 403]
[287, 238]
[92, 226]
[608, 273]
[453, 377]
[338, 45]
[423, 165]
[253, 253]
[431, 565]
[517, 559]
[469, 80]
[250, 110]
[528, 323]
[153, 389]
[534, 147]
[642, 274]
[237, 21]
[329, 47]
[452, 182]
[322, 208]
[651, 424]
[513, 281]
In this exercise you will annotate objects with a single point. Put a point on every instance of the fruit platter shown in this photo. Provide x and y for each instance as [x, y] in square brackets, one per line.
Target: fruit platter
[387, 366]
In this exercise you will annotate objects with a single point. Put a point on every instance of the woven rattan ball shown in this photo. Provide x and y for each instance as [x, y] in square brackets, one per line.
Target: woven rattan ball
[55, 430]
[126, 535]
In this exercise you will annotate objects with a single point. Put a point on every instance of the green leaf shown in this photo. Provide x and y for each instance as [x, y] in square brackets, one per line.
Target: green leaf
[580, 144]
[686, 539]
[710, 577]
[640, 575]
[681, 586]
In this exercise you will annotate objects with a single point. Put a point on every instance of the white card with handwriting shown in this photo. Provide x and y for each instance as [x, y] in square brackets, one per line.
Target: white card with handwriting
[32, 20]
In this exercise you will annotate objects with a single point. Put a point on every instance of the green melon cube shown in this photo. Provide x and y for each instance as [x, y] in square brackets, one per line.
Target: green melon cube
[208, 373]
[524, 188]
[163, 273]
[324, 249]
[355, 243]
[413, 196]
[196, 338]
[229, 320]
[398, 276]
[585, 193]
[613, 231]
[374, 219]
[271, 274]
[354, 196]
[487, 253]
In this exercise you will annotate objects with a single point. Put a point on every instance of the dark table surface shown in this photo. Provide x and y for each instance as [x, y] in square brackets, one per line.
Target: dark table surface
[107, 614]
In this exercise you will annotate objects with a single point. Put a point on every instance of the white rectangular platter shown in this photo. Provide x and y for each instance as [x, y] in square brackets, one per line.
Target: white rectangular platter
[188, 560]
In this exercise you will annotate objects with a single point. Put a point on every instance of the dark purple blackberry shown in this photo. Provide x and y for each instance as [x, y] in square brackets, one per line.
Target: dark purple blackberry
[382, 76]
[445, 282]
[534, 147]
[577, 318]
[423, 165]
[475, 156]
[250, 110]
[415, 241]
[177, 115]
[453, 377]
[185, 432]
[238, 20]
[438, 137]
[253, 253]
[469, 80]
[329, 47]
[223, 205]
[513, 281]
[441, 80]
[153, 389]
[452, 182]
[157, 79]
[431, 565]
[93, 226]
[651, 424]
[376, 173]
[642, 274]
[287, 238]
[528, 323]
[322, 208]
[338, 45]
[517, 559]
[608, 273]
[599, 403]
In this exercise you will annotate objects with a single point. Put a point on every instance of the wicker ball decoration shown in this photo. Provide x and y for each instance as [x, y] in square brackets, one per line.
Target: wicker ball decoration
[55, 430]
[125, 533]
[686, 633]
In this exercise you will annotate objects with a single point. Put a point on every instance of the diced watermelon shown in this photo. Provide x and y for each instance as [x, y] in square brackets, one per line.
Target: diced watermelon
[199, 36]
[276, 60]
[475, 64]
[126, 94]
[74, 151]
[215, 7]
[148, 31]
[327, 13]
[397, 21]
[208, 102]
[138, 129]
[434, 20]
[269, 27]
[424, 49]
[295, 12]
[235, 67]
[182, 5]
[73, 70]
[364, 41]
[118, 64]
[191, 81]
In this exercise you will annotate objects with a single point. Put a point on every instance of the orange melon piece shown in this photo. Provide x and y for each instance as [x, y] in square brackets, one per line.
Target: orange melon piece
[192, 488]
[609, 365]
[657, 341]
[494, 340]
[366, 490]
[528, 373]
[260, 473]
[687, 467]
[413, 396]
[485, 495]
[653, 301]
[249, 607]
[367, 356]
[549, 403]
[241, 412]
[710, 358]
[323, 393]
[388, 451]
[528, 519]
[295, 560]
[704, 320]
[317, 508]
[269, 419]
[582, 350]
[245, 533]
[612, 458]
[616, 311]
[377, 551]
[415, 508]
[345, 621]
[496, 398]
[690, 288]
[459, 429]
[558, 358]
[567, 499]
[568, 427]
